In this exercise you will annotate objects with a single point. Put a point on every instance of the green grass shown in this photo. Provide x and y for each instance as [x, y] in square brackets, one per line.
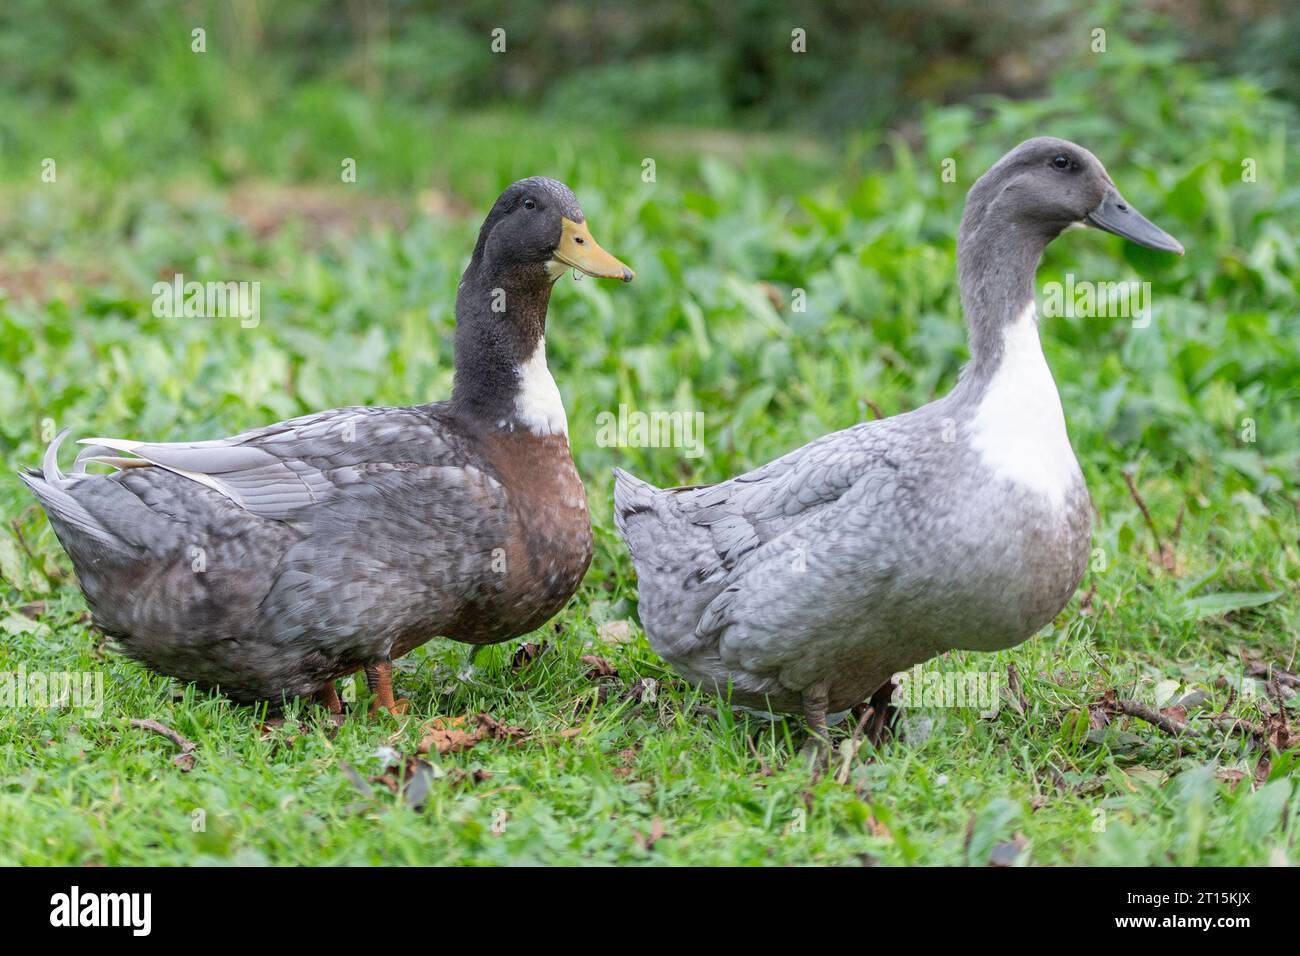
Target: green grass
[358, 285]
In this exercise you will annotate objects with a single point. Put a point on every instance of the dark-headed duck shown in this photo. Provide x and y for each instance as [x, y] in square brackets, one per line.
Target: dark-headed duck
[271, 563]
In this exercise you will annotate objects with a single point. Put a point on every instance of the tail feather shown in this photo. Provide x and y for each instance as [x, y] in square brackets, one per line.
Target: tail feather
[632, 497]
[76, 526]
[678, 567]
[65, 512]
[50, 463]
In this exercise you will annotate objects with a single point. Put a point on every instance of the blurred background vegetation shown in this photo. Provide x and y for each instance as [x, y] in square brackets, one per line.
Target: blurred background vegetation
[125, 76]
[680, 61]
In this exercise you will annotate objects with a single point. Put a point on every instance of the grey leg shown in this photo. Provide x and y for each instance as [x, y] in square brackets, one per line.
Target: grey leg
[815, 701]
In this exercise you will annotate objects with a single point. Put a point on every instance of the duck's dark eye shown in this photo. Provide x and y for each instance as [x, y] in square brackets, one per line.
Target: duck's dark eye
[529, 204]
[1062, 162]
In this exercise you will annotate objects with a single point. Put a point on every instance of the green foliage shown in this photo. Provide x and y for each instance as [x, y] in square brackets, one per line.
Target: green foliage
[234, 175]
[675, 61]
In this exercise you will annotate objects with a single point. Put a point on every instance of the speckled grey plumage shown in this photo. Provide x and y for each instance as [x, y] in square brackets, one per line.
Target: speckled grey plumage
[326, 565]
[807, 583]
[271, 562]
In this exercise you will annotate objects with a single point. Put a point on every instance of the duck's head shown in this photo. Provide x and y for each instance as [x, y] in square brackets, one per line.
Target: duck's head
[537, 230]
[534, 234]
[1045, 185]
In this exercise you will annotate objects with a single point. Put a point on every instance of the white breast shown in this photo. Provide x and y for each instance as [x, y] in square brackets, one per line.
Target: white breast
[1019, 427]
[538, 406]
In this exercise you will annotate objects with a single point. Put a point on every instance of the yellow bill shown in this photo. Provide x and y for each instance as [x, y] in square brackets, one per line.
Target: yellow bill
[578, 250]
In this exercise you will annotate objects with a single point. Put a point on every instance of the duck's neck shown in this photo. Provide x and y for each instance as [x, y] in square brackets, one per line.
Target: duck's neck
[1016, 424]
[997, 259]
[501, 374]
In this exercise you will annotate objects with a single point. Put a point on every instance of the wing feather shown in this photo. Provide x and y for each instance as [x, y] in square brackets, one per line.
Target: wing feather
[278, 471]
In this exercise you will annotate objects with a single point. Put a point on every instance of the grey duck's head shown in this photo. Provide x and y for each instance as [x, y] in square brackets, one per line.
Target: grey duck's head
[537, 227]
[1046, 185]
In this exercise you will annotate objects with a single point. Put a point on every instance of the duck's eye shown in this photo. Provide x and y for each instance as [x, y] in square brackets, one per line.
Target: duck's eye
[529, 204]
[1062, 162]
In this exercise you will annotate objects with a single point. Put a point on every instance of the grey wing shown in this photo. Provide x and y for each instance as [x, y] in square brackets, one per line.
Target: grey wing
[400, 552]
[801, 536]
[754, 508]
[301, 530]
[279, 471]
[806, 587]
[699, 552]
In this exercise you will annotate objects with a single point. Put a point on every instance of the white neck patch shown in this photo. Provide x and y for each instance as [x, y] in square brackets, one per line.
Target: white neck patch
[538, 406]
[1019, 427]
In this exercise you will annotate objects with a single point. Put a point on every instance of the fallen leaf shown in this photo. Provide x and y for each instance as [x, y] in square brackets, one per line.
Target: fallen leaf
[1225, 602]
[599, 667]
[446, 735]
[1193, 700]
[1177, 712]
[458, 776]
[646, 689]
[1017, 690]
[878, 829]
[16, 624]
[1230, 777]
[267, 728]
[497, 730]
[457, 734]
[1166, 691]
[1268, 672]
[1146, 775]
[527, 653]
[1098, 719]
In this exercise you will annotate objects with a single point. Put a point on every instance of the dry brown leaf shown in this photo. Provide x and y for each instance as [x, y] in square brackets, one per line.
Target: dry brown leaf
[1176, 713]
[448, 735]
[1018, 699]
[599, 667]
[457, 776]
[527, 653]
[878, 829]
[1230, 777]
[491, 727]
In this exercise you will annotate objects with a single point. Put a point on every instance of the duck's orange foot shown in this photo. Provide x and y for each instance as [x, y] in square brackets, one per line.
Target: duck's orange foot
[397, 708]
[328, 697]
[379, 677]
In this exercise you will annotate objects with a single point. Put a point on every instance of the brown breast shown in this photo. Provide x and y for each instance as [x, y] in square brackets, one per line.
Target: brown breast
[548, 543]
